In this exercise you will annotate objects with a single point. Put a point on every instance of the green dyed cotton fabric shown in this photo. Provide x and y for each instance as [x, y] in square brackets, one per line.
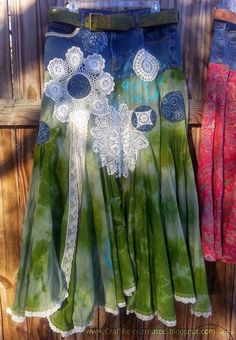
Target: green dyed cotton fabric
[137, 236]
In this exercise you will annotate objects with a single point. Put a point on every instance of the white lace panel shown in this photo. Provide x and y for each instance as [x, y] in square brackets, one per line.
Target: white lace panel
[116, 140]
[77, 157]
[145, 65]
[77, 84]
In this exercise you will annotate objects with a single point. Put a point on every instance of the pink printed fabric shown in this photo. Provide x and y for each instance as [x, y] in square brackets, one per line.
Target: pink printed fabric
[217, 166]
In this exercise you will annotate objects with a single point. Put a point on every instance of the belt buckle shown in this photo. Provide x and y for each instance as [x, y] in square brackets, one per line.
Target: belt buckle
[94, 25]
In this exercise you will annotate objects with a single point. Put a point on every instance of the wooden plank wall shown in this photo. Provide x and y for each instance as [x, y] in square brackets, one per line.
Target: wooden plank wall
[21, 84]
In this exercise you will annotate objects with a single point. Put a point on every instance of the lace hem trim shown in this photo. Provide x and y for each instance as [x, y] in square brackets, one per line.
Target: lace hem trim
[65, 334]
[185, 299]
[42, 314]
[111, 310]
[18, 319]
[130, 291]
[204, 314]
[169, 323]
[63, 35]
[122, 304]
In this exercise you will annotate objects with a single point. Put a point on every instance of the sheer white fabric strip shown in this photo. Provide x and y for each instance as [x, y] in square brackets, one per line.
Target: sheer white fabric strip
[63, 35]
[42, 314]
[77, 156]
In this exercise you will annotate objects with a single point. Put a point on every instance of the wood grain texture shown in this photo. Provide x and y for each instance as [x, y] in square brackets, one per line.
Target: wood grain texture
[29, 23]
[23, 113]
[5, 59]
[9, 230]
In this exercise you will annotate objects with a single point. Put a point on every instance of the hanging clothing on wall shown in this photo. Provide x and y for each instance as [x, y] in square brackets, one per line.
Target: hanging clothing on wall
[112, 215]
[217, 157]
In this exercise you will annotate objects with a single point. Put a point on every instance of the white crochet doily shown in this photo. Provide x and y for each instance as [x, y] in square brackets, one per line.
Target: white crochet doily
[77, 84]
[116, 140]
[145, 65]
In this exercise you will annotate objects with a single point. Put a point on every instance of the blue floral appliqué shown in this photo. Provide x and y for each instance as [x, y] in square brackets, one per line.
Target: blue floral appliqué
[43, 133]
[94, 41]
[144, 118]
[172, 106]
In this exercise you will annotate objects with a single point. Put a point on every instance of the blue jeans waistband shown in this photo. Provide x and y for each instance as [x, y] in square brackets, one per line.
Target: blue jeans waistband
[223, 46]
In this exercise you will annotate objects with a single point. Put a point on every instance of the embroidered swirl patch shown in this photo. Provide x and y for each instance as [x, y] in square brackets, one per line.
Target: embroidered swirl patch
[145, 65]
[117, 142]
[144, 118]
[172, 106]
[43, 133]
[94, 41]
[77, 84]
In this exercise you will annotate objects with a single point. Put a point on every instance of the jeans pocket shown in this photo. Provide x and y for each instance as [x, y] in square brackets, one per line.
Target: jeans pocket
[61, 30]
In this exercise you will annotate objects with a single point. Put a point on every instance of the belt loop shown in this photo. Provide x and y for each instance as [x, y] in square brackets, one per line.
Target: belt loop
[136, 19]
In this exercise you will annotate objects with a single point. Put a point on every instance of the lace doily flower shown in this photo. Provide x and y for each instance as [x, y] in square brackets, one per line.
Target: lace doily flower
[94, 41]
[78, 85]
[117, 142]
[145, 65]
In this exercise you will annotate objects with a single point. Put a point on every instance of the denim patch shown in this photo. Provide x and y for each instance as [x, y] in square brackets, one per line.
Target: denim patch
[144, 118]
[43, 133]
[172, 106]
[78, 86]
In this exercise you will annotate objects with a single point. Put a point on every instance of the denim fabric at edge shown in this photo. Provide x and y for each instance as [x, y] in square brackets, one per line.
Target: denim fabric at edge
[223, 45]
[120, 46]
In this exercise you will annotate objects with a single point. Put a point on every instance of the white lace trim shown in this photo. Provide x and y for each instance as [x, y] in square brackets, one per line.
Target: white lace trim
[77, 84]
[117, 141]
[42, 314]
[78, 137]
[185, 299]
[145, 65]
[18, 319]
[122, 304]
[169, 323]
[204, 314]
[130, 291]
[63, 35]
[111, 310]
[67, 333]
[75, 189]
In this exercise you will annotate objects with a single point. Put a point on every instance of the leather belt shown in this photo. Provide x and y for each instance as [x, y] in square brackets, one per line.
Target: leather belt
[119, 22]
[225, 15]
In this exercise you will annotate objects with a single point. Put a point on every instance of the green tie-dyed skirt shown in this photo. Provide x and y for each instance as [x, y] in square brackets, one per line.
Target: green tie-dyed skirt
[112, 214]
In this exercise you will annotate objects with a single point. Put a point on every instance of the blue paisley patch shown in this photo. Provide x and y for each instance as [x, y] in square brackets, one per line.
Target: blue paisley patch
[43, 133]
[144, 118]
[172, 106]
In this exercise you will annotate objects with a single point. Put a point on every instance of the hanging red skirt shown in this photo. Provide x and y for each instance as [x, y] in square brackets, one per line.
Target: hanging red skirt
[217, 157]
